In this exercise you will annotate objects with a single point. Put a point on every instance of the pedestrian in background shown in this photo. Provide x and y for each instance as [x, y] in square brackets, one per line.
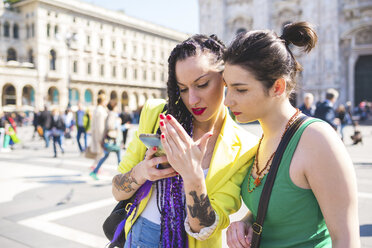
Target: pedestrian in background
[111, 140]
[81, 124]
[2, 129]
[97, 130]
[307, 107]
[45, 122]
[325, 110]
[344, 118]
[68, 118]
[36, 124]
[126, 121]
[57, 130]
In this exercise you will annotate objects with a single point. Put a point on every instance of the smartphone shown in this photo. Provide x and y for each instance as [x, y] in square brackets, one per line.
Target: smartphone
[151, 140]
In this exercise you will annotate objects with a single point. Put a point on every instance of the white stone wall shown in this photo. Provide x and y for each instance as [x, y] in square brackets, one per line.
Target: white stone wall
[337, 22]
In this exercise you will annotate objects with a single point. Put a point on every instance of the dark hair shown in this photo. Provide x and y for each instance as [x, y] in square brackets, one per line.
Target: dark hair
[197, 44]
[111, 105]
[100, 98]
[170, 199]
[267, 56]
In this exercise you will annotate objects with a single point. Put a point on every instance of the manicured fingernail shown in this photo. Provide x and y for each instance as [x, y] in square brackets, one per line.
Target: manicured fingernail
[162, 123]
[154, 148]
[210, 135]
[162, 116]
[169, 117]
[177, 173]
[162, 136]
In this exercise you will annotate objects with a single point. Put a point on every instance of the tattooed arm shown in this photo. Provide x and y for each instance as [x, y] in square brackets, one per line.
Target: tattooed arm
[124, 185]
[199, 209]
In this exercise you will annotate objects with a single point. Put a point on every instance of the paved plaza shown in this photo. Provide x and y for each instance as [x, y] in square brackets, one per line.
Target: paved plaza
[52, 202]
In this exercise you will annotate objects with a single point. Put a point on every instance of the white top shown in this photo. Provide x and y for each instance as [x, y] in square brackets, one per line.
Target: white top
[151, 211]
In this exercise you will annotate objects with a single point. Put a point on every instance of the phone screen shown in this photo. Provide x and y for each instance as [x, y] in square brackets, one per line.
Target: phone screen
[151, 140]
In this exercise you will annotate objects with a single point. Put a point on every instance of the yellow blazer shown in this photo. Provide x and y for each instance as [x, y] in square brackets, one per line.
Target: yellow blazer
[233, 153]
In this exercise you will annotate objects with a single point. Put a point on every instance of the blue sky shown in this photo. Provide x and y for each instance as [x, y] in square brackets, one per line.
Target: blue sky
[181, 15]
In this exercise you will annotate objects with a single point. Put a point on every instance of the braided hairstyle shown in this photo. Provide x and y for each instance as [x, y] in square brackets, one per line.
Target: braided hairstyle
[170, 193]
[195, 45]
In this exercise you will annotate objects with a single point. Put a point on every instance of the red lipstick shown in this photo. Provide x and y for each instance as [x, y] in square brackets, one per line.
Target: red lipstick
[198, 111]
[237, 113]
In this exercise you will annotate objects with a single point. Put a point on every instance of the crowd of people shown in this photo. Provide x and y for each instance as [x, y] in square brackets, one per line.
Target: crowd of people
[340, 116]
[56, 126]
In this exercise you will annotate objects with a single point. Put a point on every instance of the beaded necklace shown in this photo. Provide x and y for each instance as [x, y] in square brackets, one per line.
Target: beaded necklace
[260, 174]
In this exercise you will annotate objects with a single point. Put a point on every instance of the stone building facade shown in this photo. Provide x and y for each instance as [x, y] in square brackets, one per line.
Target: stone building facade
[60, 52]
[343, 56]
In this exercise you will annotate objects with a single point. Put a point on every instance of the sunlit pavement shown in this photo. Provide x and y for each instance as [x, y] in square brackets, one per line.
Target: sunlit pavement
[52, 202]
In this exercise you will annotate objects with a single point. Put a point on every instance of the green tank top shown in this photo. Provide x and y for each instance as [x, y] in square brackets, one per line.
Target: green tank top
[293, 218]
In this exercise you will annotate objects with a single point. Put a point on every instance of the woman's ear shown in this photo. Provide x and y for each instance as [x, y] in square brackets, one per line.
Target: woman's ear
[279, 87]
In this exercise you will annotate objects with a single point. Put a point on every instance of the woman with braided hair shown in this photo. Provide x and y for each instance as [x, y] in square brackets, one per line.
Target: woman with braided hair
[187, 204]
[313, 202]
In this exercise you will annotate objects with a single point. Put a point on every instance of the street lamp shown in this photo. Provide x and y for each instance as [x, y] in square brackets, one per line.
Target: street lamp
[70, 37]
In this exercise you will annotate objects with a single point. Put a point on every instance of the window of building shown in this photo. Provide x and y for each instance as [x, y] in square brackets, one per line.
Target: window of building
[101, 42]
[32, 30]
[52, 60]
[31, 56]
[9, 95]
[89, 68]
[48, 13]
[74, 19]
[135, 74]
[114, 71]
[135, 50]
[27, 31]
[163, 76]
[124, 46]
[88, 23]
[75, 67]
[55, 31]
[144, 75]
[15, 31]
[113, 44]
[102, 70]
[153, 76]
[88, 97]
[88, 40]
[48, 30]
[6, 29]
[101, 26]
[124, 72]
[11, 54]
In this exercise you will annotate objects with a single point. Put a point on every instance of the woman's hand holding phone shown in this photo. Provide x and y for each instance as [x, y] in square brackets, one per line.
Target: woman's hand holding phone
[146, 169]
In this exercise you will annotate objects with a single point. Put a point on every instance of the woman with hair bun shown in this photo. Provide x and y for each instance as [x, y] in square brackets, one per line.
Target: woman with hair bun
[187, 204]
[313, 202]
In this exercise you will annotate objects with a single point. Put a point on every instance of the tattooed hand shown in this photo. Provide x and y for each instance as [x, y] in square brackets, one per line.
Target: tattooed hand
[202, 209]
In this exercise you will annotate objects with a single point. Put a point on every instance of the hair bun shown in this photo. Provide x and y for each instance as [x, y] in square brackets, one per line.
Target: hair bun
[300, 34]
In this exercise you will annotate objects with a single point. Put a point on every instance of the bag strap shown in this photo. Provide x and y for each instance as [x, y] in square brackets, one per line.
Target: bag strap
[266, 191]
